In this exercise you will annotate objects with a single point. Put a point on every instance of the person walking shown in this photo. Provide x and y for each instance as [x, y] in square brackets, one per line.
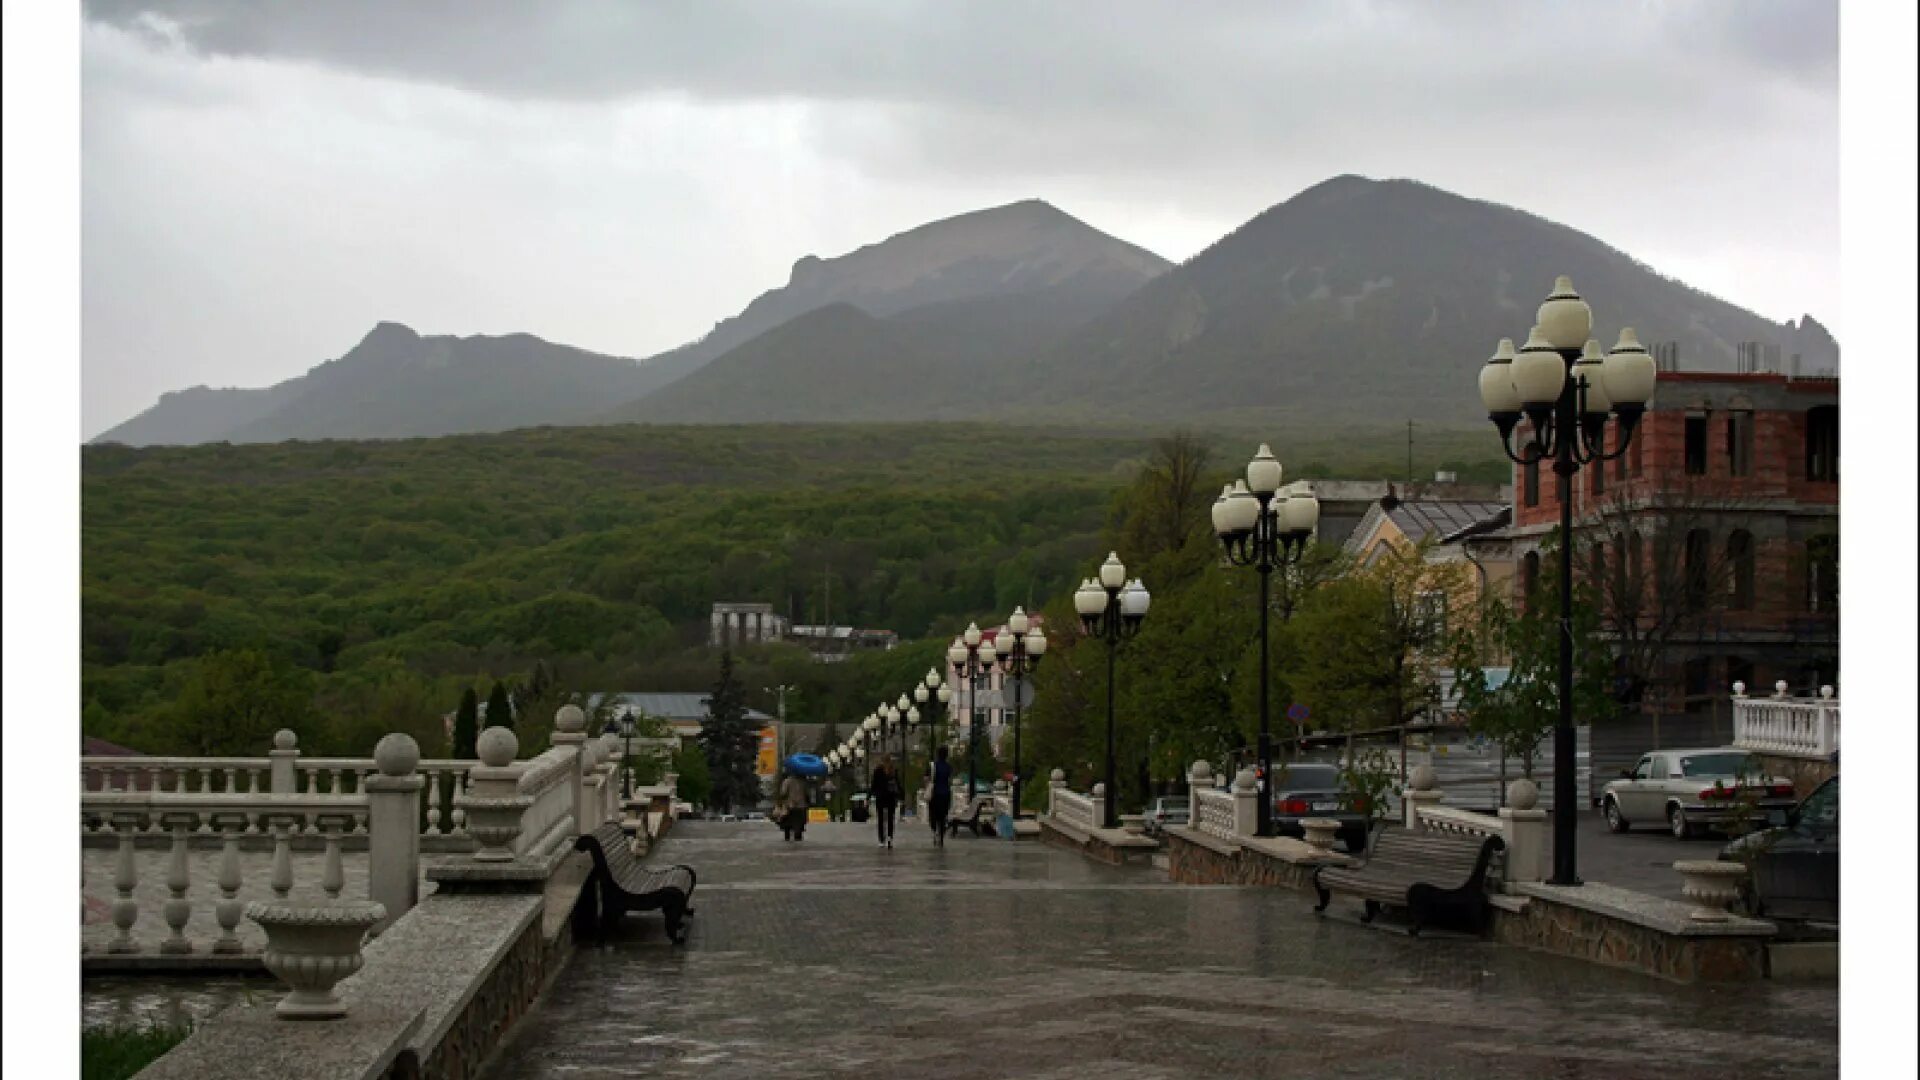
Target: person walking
[793, 796]
[940, 798]
[884, 791]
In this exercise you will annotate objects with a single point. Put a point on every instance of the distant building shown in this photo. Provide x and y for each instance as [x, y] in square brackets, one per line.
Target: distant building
[1344, 504]
[1406, 522]
[734, 624]
[687, 713]
[830, 644]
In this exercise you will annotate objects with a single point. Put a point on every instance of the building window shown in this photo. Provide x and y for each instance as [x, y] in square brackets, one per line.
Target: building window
[1699, 553]
[1430, 614]
[1599, 472]
[1740, 442]
[1529, 575]
[1633, 561]
[1696, 444]
[1531, 483]
[1740, 669]
[1740, 560]
[1823, 574]
[1823, 444]
[1697, 678]
[1597, 565]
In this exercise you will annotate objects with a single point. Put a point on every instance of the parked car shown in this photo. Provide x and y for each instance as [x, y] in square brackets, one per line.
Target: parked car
[1691, 790]
[729, 817]
[1167, 810]
[1795, 867]
[1310, 790]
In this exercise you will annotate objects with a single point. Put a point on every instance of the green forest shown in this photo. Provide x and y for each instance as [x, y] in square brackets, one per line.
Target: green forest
[345, 589]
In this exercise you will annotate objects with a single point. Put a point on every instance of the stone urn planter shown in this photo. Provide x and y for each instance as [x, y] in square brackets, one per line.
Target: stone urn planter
[1321, 832]
[311, 947]
[1711, 885]
[1134, 824]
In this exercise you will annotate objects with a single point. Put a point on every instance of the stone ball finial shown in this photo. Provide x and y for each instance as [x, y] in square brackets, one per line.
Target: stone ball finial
[285, 739]
[570, 719]
[1200, 773]
[396, 754]
[1420, 778]
[1099, 791]
[1827, 691]
[1739, 689]
[1243, 780]
[1058, 776]
[498, 746]
[1522, 794]
[1780, 688]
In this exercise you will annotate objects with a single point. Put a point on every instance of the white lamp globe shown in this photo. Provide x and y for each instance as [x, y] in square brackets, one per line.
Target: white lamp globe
[921, 693]
[1113, 572]
[1263, 472]
[1089, 599]
[956, 653]
[1243, 510]
[1496, 381]
[933, 678]
[1538, 372]
[1036, 643]
[1565, 319]
[1134, 600]
[972, 636]
[1222, 512]
[1301, 513]
[1017, 622]
[944, 693]
[903, 704]
[1591, 366]
[1630, 372]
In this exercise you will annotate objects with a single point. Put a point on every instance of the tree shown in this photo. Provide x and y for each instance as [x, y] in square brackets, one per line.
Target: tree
[1166, 504]
[466, 726]
[695, 782]
[731, 741]
[233, 701]
[499, 707]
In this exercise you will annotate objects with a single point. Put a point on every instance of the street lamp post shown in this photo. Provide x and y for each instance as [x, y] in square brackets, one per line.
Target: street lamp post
[1020, 651]
[1565, 388]
[974, 657]
[627, 725]
[1264, 532]
[1112, 608]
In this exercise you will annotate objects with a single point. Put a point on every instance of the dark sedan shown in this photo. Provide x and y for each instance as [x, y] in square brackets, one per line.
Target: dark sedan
[1796, 867]
[1305, 790]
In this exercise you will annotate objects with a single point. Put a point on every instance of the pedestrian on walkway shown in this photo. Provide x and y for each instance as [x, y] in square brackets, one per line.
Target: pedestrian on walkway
[884, 790]
[940, 797]
[793, 797]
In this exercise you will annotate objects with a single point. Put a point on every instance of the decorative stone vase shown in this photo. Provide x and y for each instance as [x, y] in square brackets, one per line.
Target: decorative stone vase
[311, 947]
[1711, 884]
[494, 822]
[1134, 824]
[1321, 832]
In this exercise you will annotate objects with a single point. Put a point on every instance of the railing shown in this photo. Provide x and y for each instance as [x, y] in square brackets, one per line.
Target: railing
[1789, 727]
[1073, 809]
[130, 814]
[548, 780]
[1216, 812]
[1449, 819]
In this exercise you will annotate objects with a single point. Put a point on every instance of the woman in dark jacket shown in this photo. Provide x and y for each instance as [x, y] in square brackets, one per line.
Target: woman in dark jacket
[884, 790]
[940, 796]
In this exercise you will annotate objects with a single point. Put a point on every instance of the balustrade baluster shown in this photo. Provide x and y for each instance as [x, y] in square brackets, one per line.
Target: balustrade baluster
[177, 909]
[227, 911]
[126, 910]
[333, 876]
[280, 880]
[433, 802]
[461, 787]
[339, 782]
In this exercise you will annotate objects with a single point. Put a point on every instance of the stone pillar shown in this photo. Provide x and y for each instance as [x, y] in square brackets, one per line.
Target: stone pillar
[393, 832]
[493, 803]
[1056, 782]
[1246, 803]
[717, 634]
[281, 777]
[1524, 828]
[570, 731]
[1420, 792]
[1199, 778]
[1099, 806]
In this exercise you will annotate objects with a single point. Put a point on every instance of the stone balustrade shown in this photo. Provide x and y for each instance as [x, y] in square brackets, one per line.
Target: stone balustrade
[1807, 728]
[1526, 842]
[1072, 809]
[1213, 812]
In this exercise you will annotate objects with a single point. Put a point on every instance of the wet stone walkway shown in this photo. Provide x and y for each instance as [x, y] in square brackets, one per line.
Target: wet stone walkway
[994, 959]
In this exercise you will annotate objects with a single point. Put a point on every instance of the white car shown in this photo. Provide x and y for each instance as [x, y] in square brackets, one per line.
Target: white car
[1691, 790]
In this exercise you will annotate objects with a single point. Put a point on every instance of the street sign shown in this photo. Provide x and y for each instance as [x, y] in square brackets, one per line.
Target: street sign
[1297, 713]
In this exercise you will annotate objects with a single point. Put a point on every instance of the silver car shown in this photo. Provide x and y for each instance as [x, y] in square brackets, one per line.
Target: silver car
[1692, 790]
[1167, 810]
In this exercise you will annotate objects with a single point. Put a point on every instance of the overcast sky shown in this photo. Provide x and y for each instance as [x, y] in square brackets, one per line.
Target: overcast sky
[261, 183]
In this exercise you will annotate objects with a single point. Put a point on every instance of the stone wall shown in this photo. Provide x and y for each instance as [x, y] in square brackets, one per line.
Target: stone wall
[1196, 859]
[1583, 934]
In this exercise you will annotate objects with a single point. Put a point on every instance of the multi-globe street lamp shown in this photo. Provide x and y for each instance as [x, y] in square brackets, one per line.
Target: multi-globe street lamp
[973, 656]
[1112, 608]
[1020, 650]
[1566, 389]
[1267, 528]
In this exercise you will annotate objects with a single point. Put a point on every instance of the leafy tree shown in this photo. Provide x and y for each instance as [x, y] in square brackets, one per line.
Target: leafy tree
[466, 726]
[731, 741]
[232, 702]
[695, 782]
[499, 707]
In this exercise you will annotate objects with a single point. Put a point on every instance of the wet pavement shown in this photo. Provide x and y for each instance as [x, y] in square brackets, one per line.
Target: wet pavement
[995, 959]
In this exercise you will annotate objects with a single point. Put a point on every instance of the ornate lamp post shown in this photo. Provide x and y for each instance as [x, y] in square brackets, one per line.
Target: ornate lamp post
[869, 739]
[1265, 532]
[627, 726]
[1111, 608]
[905, 716]
[1020, 650]
[1566, 389]
[974, 657]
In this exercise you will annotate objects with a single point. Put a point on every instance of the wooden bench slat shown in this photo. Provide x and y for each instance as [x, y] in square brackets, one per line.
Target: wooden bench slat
[1422, 871]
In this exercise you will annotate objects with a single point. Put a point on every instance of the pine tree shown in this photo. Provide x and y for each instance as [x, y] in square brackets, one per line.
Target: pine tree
[499, 708]
[730, 741]
[466, 726]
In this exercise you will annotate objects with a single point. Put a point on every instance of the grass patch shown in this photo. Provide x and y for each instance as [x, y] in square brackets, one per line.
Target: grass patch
[117, 1052]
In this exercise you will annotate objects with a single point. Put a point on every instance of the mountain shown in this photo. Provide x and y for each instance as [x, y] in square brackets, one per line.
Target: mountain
[1016, 257]
[394, 384]
[1373, 298]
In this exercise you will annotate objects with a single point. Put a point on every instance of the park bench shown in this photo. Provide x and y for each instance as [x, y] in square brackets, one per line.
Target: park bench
[1430, 874]
[626, 884]
[970, 817]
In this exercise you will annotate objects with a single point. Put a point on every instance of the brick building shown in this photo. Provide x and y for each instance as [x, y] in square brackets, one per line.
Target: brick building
[1713, 543]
